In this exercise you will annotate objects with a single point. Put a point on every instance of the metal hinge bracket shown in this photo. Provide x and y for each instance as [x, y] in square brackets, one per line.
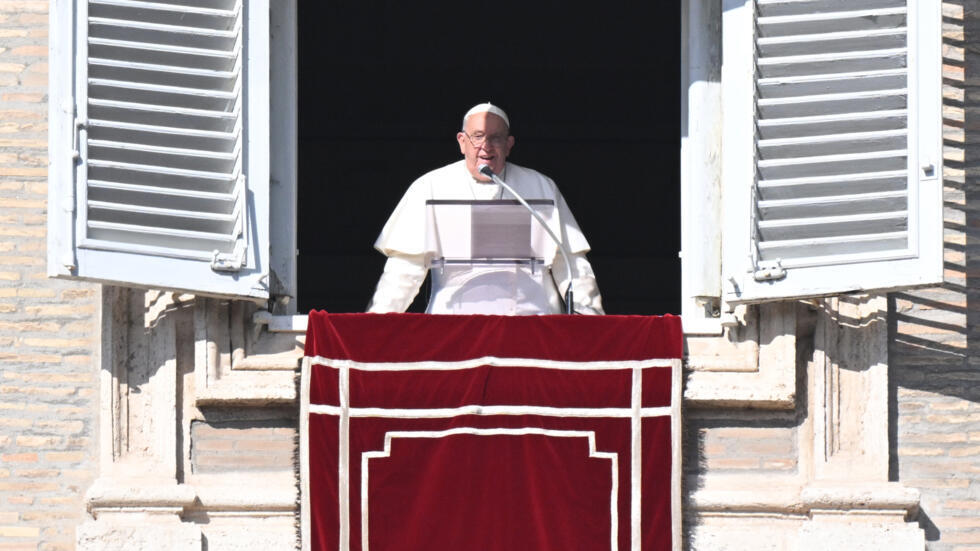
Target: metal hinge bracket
[233, 262]
[769, 270]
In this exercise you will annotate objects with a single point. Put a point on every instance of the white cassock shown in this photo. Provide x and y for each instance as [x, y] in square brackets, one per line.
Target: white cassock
[492, 291]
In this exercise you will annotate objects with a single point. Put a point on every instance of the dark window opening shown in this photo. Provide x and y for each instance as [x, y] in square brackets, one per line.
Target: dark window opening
[593, 93]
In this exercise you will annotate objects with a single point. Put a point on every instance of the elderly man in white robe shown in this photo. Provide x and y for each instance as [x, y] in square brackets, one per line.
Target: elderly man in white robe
[484, 140]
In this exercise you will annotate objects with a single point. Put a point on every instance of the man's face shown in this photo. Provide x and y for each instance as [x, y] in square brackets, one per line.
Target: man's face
[497, 142]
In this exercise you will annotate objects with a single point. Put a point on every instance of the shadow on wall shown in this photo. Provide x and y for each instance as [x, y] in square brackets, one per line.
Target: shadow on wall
[934, 350]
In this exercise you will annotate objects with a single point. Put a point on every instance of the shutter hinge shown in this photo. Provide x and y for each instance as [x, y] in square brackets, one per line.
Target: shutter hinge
[69, 259]
[233, 262]
[769, 270]
[76, 154]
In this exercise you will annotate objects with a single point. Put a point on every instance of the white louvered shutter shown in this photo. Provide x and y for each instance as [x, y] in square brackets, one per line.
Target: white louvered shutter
[838, 145]
[171, 137]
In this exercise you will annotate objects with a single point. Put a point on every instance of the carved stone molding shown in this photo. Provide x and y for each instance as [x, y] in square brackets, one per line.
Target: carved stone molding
[240, 362]
[138, 382]
[762, 495]
[849, 390]
[752, 365]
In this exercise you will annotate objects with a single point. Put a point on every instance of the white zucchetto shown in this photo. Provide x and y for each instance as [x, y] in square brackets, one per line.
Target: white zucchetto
[487, 108]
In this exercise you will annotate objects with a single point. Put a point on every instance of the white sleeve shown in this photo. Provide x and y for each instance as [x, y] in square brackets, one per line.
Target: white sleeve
[399, 283]
[585, 290]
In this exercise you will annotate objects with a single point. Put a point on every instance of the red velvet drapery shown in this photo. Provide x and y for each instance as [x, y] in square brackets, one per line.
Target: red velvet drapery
[491, 433]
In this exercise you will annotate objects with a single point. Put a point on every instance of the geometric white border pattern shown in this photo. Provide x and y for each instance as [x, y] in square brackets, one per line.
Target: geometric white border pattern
[386, 452]
[635, 413]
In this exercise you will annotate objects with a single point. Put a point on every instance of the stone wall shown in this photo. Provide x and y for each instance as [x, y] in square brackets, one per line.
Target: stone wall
[934, 351]
[48, 329]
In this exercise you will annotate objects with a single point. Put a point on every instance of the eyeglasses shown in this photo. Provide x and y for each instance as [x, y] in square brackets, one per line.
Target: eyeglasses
[480, 139]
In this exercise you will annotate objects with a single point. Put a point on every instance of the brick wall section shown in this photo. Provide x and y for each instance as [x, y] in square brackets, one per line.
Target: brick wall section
[48, 329]
[236, 446]
[747, 442]
[934, 353]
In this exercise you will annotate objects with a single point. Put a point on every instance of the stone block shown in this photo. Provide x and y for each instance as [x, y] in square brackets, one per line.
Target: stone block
[820, 535]
[166, 536]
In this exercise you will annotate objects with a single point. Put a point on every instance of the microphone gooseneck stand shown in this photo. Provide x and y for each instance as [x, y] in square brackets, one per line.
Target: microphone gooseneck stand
[488, 172]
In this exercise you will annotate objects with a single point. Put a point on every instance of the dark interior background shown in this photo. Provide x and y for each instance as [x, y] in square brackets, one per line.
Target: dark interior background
[592, 92]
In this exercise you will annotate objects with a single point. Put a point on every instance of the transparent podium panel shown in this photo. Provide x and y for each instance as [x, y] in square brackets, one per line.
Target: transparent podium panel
[498, 288]
[490, 257]
[495, 229]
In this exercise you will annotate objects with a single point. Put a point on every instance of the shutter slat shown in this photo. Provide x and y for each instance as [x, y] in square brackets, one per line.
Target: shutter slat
[839, 62]
[165, 30]
[160, 95]
[190, 194]
[187, 72]
[204, 120]
[162, 115]
[832, 104]
[836, 250]
[177, 9]
[204, 113]
[162, 129]
[799, 207]
[218, 21]
[217, 238]
[201, 223]
[789, 127]
[808, 85]
[166, 137]
[151, 177]
[831, 144]
[832, 185]
[163, 159]
[163, 249]
[149, 150]
[164, 75]
[876, 39]
[105, 194]
[147, 195]
[826, 22]
[193, 37]
[796, 7]
[189, 242]
[165, 171]
[832, 165]
[781, 57]
[150, 56]
[897, 19]
[833, 226]
[129, 47]
[191, 216]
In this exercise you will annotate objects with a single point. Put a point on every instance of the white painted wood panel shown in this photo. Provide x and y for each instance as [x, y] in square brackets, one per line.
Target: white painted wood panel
[845, 97]
[171, 105]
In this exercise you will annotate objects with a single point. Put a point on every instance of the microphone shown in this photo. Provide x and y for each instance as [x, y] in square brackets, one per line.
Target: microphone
[485, 169]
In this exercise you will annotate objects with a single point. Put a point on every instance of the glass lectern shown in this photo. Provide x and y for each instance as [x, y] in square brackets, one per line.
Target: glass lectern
[491, 257]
